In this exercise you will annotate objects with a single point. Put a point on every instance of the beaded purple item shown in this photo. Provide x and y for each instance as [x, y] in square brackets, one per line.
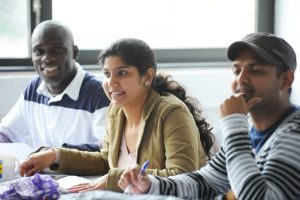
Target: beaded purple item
[37, 187]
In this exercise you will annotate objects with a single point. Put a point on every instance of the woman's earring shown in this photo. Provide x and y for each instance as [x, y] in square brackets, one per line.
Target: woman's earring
[147, 84]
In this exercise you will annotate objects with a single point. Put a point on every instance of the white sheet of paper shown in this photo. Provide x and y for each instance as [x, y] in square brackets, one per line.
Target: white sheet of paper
[69, 181]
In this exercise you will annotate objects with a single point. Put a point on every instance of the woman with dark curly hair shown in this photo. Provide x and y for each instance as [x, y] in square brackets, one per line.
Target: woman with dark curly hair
[150, 118]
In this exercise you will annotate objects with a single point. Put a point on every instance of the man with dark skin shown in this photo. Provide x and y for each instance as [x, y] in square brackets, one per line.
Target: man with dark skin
[65, 105]
[53, 55]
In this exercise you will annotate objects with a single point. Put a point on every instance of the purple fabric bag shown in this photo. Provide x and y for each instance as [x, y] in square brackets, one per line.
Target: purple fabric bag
[37, 187]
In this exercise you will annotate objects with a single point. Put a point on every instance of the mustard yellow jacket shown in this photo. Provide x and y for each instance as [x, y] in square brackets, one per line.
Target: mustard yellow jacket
[170, 140]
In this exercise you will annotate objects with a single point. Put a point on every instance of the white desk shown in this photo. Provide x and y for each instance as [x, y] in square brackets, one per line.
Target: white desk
[108, 195]
[21, 151]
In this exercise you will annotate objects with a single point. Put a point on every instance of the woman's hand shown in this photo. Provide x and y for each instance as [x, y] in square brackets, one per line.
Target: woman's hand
[37, 162]
[100, 184]
[139, 183]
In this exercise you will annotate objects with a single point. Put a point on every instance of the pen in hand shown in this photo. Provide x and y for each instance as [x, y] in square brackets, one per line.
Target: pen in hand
[143, 169]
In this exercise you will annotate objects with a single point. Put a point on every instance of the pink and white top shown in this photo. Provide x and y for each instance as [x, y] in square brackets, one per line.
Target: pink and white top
[126, 159]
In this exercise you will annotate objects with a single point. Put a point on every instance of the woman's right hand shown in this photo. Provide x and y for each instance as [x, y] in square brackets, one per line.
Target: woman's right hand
[37, 162]
[139, 183]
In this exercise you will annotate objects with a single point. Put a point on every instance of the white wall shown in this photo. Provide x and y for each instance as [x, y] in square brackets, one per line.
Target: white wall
[11, 85]
[287, 25]
[209, 86]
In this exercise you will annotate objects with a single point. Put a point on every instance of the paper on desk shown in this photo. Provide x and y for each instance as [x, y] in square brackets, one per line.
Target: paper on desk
[69, 181]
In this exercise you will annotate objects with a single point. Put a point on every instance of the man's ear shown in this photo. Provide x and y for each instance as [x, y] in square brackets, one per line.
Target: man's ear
[287, 79]
[75, 52]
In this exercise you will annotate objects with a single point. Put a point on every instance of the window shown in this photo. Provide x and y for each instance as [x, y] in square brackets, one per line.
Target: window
[179, 31]
[163, 24]
[14, 29]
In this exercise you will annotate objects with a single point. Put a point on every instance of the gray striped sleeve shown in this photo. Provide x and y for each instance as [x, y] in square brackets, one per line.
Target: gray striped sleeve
[275, 175]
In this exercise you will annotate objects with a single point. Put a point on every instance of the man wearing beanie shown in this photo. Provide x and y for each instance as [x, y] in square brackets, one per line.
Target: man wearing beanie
[260, 161]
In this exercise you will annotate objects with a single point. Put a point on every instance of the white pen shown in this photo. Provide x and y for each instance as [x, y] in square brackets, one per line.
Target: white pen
[143, 169]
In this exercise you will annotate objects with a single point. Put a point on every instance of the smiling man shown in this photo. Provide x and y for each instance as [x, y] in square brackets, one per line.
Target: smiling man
[53, 55]
[65, 104]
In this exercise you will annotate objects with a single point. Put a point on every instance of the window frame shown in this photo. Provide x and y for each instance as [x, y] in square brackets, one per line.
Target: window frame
[264, 21]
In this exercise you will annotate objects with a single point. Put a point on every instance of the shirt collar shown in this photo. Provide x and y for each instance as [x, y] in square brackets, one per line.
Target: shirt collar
[72, 90]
